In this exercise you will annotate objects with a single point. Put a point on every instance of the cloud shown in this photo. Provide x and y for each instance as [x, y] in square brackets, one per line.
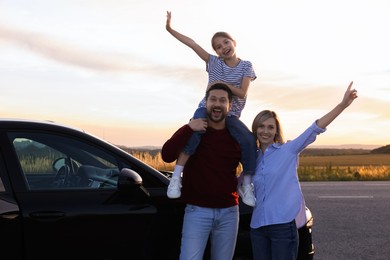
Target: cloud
[70, 55]
[313, 97]
[66, 53]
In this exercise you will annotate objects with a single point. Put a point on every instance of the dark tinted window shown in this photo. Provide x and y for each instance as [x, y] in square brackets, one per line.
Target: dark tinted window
[54, 161]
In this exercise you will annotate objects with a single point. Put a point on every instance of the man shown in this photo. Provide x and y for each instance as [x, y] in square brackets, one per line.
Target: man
[209, 180]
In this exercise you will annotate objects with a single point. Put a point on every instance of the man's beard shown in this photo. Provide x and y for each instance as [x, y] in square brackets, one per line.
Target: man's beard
[219, 118]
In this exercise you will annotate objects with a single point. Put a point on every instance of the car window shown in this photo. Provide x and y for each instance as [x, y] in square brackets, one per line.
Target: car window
[50, 161]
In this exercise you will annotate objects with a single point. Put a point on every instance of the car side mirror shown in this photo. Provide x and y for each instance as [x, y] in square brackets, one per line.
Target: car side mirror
[130, 181]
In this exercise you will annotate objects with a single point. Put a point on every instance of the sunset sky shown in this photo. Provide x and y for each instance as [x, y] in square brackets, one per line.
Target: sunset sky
[111, 68]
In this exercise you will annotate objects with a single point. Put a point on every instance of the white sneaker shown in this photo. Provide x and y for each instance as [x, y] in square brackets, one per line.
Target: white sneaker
[174, 188]
[247, 195]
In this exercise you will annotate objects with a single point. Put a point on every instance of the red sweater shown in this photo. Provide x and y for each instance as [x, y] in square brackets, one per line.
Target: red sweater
[209, 176]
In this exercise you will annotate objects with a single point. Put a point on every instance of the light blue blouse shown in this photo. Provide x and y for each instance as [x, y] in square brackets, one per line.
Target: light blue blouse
[279, 197]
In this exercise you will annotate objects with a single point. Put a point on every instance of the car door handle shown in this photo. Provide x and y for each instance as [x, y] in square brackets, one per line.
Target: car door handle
[9, 215]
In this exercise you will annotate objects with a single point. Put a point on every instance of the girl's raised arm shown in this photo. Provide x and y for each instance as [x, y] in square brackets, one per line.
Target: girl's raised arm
[204, 55]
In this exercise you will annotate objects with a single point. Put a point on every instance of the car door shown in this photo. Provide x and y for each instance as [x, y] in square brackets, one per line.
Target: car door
[67, 190]
[10, 223]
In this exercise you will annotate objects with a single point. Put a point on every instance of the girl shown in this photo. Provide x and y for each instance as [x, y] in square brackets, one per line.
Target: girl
[237, 74]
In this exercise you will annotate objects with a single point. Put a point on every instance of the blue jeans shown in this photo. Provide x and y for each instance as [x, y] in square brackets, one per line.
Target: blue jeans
[278, 241]
[220, 224]
[238, 131]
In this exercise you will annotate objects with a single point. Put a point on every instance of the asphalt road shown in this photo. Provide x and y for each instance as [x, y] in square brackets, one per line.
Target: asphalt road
[351, 219]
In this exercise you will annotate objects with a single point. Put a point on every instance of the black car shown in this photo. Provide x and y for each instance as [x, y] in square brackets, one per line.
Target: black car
[66, 194]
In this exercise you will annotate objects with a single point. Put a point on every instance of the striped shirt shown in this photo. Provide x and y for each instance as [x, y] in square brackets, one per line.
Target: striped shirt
[219, 71]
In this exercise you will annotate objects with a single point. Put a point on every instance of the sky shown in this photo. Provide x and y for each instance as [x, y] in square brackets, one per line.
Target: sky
[110, 67]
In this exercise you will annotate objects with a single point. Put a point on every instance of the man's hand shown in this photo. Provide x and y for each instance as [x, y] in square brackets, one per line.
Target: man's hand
[199, 124]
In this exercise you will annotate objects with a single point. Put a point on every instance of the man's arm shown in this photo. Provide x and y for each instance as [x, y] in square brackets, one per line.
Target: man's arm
[175, 145]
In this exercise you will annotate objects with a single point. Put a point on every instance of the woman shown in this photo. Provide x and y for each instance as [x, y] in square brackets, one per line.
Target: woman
[280, 206]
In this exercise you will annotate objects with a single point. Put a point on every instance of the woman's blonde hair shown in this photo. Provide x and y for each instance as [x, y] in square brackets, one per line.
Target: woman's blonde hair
[260, 118]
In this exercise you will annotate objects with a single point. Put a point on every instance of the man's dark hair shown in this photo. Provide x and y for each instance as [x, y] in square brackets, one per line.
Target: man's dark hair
[221, 86]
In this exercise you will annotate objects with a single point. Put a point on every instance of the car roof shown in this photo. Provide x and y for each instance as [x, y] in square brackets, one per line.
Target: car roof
[21, 123]
[31, 122]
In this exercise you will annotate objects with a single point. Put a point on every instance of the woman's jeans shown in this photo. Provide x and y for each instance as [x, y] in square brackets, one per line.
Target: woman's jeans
[238, 131]
[220, 224]
[278, 241]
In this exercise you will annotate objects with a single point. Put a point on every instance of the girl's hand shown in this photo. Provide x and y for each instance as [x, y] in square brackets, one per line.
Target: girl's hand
[199, 124]
[168, 24]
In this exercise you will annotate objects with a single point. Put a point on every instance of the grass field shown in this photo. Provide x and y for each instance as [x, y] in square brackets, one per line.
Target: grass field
[347, 160]
[365, 167]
